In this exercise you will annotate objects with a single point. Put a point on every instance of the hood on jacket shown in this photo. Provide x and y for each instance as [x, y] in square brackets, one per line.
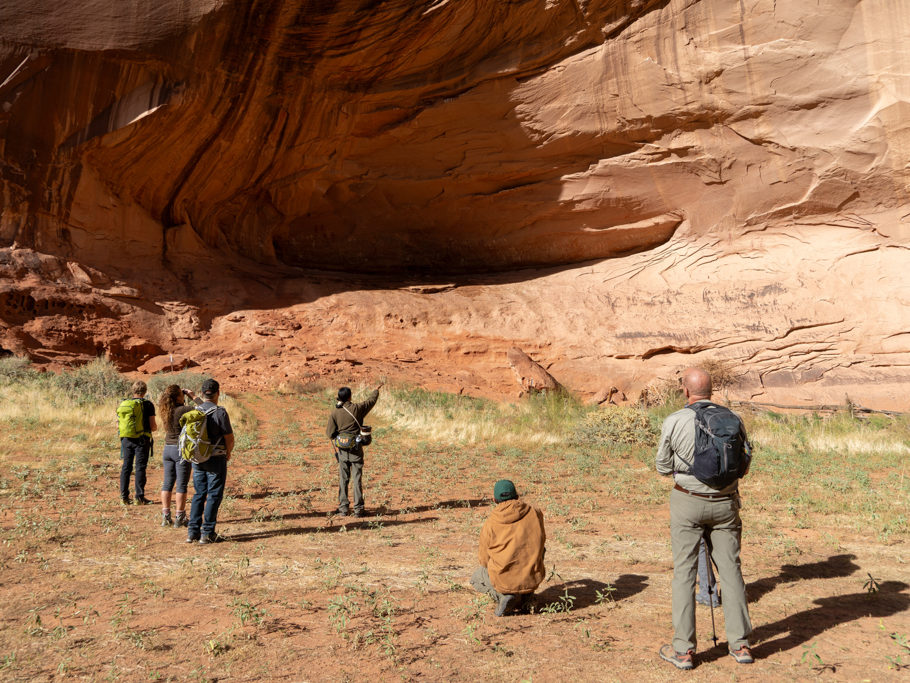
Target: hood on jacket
[509, 511]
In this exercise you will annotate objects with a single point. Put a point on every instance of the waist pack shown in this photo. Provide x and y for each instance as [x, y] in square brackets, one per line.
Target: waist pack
[722, 452]
[349, 442]
[194, 443]
[345, 442]
[129, 418]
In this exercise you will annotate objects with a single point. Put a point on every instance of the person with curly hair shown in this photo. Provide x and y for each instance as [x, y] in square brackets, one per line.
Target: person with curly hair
[176, 470]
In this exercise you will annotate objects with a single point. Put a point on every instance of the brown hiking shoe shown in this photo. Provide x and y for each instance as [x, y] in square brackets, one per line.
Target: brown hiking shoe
[743, 655]
[681, 660]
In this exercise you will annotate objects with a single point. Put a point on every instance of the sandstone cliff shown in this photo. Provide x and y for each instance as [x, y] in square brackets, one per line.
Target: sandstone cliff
[620, 187]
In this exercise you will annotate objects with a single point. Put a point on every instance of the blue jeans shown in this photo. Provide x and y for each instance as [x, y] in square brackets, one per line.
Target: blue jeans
[134, 451]
[208, 480]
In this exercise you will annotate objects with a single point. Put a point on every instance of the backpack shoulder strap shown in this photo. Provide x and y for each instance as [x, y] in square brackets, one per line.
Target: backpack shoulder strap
[352, 415]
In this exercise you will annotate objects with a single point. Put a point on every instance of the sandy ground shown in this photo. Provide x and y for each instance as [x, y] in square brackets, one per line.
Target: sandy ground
[96, 591]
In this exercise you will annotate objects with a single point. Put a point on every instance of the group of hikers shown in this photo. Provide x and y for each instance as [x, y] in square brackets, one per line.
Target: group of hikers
[208, 474]
[703, 446]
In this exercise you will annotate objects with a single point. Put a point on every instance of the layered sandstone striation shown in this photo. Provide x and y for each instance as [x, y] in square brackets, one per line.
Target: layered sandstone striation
[617, 187]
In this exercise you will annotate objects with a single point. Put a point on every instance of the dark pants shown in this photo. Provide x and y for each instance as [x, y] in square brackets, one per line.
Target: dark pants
[350, 469]
[134, 452]
[208, 480]
[176, 469]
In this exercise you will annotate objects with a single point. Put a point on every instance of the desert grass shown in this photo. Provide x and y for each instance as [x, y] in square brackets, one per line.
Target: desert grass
[74, 413]
[541, 420]
[97, 591]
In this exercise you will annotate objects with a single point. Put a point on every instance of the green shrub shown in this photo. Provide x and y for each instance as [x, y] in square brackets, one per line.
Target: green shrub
[616, 425]
[94, 382]
[16, 369]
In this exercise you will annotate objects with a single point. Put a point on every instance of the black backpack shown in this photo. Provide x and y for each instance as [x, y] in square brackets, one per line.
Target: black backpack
[722, 452]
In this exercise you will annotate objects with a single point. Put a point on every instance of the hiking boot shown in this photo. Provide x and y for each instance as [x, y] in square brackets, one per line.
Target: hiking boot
[360, 513]
[192, 539]
[525, 604]
[166, 518]
[142, 500]
[125, 500]
[210, 538]
[507, 603]
[342, 511]
[743, 655]
[180, 520]
[681, 660]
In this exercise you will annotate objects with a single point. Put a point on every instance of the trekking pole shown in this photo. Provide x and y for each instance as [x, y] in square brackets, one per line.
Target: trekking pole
[711, 587]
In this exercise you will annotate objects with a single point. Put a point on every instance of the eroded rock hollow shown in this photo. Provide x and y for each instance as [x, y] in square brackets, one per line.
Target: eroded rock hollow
[282, 188]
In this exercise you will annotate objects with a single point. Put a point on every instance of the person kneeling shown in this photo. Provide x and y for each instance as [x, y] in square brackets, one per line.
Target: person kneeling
[511, 551]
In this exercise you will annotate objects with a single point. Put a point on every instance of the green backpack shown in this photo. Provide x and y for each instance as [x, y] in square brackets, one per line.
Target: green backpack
[194, 444]
[129, 418]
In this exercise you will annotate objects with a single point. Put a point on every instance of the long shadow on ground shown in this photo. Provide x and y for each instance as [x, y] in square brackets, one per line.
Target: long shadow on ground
[585, 591]
[441, 505]
[381, 511]
[349, 526]
[284, 516]
[797, 629]
[836, 566]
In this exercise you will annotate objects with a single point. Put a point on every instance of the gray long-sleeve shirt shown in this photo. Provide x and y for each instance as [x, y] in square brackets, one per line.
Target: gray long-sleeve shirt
[676, 449]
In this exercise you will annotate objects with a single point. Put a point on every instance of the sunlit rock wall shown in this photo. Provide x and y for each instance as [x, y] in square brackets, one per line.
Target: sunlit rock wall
[165, 146]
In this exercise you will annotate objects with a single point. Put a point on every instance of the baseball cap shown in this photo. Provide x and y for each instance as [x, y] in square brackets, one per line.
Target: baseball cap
[504, 490]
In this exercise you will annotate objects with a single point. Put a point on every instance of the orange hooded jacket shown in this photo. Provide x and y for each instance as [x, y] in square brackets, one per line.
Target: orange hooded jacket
[512, 547]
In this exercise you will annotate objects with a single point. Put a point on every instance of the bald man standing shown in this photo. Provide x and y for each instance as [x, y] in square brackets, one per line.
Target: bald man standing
[698, 509]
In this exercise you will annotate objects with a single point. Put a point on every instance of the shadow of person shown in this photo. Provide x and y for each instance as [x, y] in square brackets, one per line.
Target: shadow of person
[628, 585]
[285, 516]
[587, 592]
[797, 629]
[334, 528]
[834, 567]
[441, 505]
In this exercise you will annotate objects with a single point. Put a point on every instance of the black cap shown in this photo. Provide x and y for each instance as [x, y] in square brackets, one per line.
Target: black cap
[210, 387]
[344, 394]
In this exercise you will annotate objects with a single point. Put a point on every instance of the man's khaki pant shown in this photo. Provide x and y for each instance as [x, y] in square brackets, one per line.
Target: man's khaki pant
[689, 517]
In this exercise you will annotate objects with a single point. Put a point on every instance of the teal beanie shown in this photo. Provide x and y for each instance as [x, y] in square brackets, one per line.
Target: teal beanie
[504, 490]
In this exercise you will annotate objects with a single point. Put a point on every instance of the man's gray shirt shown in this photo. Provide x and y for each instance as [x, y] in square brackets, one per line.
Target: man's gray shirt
[676, 449]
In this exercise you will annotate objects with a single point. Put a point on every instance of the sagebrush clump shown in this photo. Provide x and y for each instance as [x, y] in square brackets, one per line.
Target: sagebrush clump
[92, 383]
[611, 425]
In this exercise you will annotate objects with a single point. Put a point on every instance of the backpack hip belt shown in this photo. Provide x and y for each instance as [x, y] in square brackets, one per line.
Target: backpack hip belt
[709, 496]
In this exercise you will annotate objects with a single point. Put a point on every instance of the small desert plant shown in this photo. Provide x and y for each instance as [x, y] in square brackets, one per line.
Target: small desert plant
[616, 425]
[660, 392]
[723, 373]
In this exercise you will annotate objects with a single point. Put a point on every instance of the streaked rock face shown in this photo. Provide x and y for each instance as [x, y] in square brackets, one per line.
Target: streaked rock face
[743, 168]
